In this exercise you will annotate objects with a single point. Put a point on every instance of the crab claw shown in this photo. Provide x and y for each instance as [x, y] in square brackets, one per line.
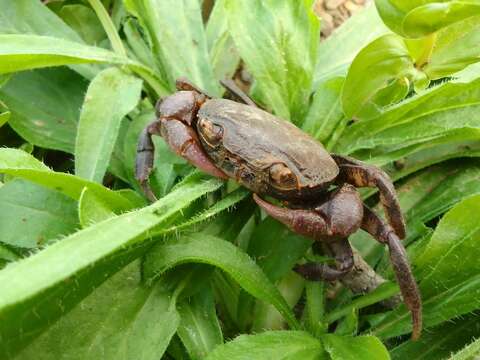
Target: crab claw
[184, 141]
[304, 222]
[339, 216]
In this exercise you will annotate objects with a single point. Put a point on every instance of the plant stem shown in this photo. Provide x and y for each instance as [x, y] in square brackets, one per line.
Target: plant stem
[109, 27]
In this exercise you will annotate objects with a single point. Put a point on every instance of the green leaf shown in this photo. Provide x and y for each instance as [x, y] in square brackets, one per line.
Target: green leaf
[447, 185]
[278, 41]
[354, 348]
[122, 319]
[178, 40]
[84, 21]
[223, 54]
[109, 27]
[17, 18]
[25, 52]
[469, 352]
[455, 48]
[439, 342]
[110, 96]
[325, 114]
[221, 205]
[54, 280]
[4, 116]
[276, 249]
[199, 328]
[20, 164]
[315, 297]
[92, 209]
[428, 18]
[45, 106]
[354, 34]
[137, 42]
[376, 65]
[449, 286]
[417, 18]
[33, 215]
[200, 248]
[447, 110]
[279, 345]
[455, 238]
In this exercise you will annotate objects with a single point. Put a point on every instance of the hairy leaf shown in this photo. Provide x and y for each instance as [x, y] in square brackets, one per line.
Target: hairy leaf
[33, 215]
[278, 41]
[19, 163]
[354, 348]
[281, 345]
[92, 209]
[178, 40]
[122, 319]
[443, 114]
[49, 283]
[450, 288]
[206, 249]
[441, 341]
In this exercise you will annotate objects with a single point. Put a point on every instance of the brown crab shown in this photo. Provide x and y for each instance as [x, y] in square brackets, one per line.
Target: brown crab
[272, 157]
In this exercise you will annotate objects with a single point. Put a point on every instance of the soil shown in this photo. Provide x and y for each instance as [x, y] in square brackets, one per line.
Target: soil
[335, 12]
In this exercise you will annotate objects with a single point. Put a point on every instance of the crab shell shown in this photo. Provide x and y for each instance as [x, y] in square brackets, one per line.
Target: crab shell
[251, 141]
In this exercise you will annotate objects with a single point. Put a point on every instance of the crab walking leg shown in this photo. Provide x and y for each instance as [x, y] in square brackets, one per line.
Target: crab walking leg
[398, 257]
[237, 92]
[182, 139]
[144, 159]
[331, 223]
[360, 174]
[184, 84]
[343, 254]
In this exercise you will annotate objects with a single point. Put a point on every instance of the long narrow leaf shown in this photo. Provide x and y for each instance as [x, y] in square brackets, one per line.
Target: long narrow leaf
[110, 96]
[220, 253]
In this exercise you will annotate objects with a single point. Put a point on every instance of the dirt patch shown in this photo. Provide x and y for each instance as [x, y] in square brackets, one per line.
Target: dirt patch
[335, 12]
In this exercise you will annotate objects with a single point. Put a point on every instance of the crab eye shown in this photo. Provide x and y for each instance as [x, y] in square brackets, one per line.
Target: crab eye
[282, 177]
[210, 132]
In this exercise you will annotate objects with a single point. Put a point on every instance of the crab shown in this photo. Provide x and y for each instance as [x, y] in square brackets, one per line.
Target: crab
[273, 158]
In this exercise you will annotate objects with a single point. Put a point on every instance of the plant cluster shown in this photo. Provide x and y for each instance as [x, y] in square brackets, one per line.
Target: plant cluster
[90, 270]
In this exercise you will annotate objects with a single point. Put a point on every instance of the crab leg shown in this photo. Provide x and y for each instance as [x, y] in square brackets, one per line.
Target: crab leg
[338, 217]
[237, 92]
[182, 139]
[341, 250]
[331, 223]
[360, 174]
[398, 257]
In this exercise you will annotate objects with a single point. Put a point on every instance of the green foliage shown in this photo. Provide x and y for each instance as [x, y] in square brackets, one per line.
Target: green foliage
[89, 270]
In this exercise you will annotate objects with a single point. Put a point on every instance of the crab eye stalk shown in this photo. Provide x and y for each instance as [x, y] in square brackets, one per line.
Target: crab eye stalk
[282, 177]
[210, 132]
